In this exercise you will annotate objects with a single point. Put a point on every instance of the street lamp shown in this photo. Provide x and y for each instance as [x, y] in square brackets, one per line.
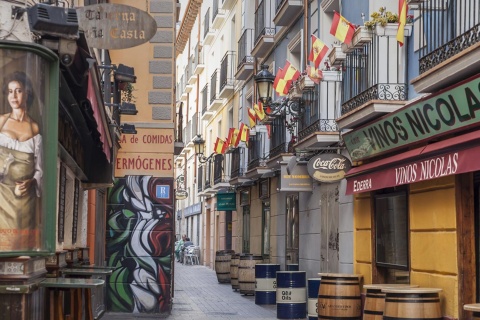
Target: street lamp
[199, 144]
[264, 80]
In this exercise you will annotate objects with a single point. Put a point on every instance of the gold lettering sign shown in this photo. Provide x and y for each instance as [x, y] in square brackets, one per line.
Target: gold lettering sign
[115, 26]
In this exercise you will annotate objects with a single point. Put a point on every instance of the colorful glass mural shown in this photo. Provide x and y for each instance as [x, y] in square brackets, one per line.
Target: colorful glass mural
[140, 241]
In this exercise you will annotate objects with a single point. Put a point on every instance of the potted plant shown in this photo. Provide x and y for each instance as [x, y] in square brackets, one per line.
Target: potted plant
[385, 23]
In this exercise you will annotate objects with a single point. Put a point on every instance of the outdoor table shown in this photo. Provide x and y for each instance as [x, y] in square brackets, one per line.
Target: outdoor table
[76, 294]
[56, 286]
[475, 308]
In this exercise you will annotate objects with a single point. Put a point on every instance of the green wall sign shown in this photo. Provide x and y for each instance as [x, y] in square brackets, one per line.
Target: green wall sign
[226, 201]
[431, 116]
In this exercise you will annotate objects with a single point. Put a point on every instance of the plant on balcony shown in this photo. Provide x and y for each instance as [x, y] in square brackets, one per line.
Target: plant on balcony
[382, 17]
[127, 92]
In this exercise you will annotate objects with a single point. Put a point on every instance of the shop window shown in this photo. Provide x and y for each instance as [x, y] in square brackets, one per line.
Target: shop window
[266, 229]
[391, 236]
[292, 229]
[246, 229]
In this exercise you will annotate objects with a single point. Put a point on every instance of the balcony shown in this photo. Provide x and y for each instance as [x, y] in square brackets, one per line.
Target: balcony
[198, 62]
[330, 6]
[218, 16]
[206, 113]
[237, 174]
[245, 59]
[227, 4]
[257, 165]
[361, 37]
[264, 32]
[220, 181]
[374, 82]
[287, 12]
[215, 101]
[227, 77]
[208, 32]
[317, 128]
[336, 56]
[450, 48]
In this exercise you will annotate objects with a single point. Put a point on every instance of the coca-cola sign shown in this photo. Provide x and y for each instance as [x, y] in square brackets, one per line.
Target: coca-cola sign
[328, 167]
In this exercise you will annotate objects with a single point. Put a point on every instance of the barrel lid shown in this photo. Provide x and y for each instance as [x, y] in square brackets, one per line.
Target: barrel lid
[340, 275]
[267, 264]
[389, 286]
[472, 307]
[291, 271]
[411, 290]
[314, 279]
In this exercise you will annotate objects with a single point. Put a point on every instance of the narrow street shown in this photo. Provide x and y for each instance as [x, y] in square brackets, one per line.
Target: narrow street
[199, 296]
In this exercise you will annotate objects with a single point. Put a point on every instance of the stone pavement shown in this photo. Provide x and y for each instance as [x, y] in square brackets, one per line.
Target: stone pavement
[199, 296]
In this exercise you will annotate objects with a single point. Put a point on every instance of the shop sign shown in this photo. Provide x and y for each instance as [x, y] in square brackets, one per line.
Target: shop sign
[181, 194]
[328, 167]
[115, 26]
[226, 201]
[148, 140]
[447, 164]
[140, 163]
[296, 179]
[193, 209]
[434, 115]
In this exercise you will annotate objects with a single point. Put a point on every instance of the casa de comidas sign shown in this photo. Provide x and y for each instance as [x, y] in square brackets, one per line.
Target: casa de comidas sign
[432, 116]
[328, 167]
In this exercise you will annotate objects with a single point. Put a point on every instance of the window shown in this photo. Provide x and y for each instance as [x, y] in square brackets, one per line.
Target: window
[292, 232]
[246, 229]
[266, 228]
[391, 230]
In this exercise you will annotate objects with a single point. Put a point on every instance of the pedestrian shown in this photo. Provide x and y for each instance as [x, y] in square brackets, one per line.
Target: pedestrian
[178, 247]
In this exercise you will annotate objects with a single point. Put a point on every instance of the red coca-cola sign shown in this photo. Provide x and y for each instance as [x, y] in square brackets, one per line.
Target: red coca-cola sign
[328, 167]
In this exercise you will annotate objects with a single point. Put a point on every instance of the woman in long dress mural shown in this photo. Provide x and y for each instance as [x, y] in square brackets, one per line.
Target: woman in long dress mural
[20, 167]
[139, 245]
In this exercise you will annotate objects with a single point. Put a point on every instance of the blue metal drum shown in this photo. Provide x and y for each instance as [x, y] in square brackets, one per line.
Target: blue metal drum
[292, 267]
[291, 295]
[312, 293]
[265, 283]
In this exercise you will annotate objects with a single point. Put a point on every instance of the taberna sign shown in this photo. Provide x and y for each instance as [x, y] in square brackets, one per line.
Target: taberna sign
[328, 167]
[115, 26]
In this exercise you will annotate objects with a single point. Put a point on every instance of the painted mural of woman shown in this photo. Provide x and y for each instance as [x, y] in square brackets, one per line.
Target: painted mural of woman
[20, 167]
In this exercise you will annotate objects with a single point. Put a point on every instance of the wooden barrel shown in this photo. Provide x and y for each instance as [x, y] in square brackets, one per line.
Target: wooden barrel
[339, 296]
[265, 282]
[291, 295]
[222, 265]
[313, 286]
[475, 308]
[414, 303]
[246, 273]
[375, 299]
[234, 271]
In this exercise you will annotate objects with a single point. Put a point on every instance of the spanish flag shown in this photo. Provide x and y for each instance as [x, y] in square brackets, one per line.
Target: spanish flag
[291, 74]
[402, 20]
[259, 111]
[342, 29]
[318, 52]
[314, 74]
[252, 117]
[233, 141]
[230, 137]
[219, 146]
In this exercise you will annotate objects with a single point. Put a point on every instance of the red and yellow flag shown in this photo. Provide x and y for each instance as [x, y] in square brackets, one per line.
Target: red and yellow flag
[239, 134]
[402, 20]
[314, 74]
[342, 29]
[228, 142]
[244, 133]
[318, 52]
[290, 74]
[259, 110]
[280, 75]
[235, 135]
[219, 146]
[252, 117]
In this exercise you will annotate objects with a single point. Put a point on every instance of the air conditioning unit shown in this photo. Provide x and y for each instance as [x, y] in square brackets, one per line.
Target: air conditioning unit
[50, 20]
